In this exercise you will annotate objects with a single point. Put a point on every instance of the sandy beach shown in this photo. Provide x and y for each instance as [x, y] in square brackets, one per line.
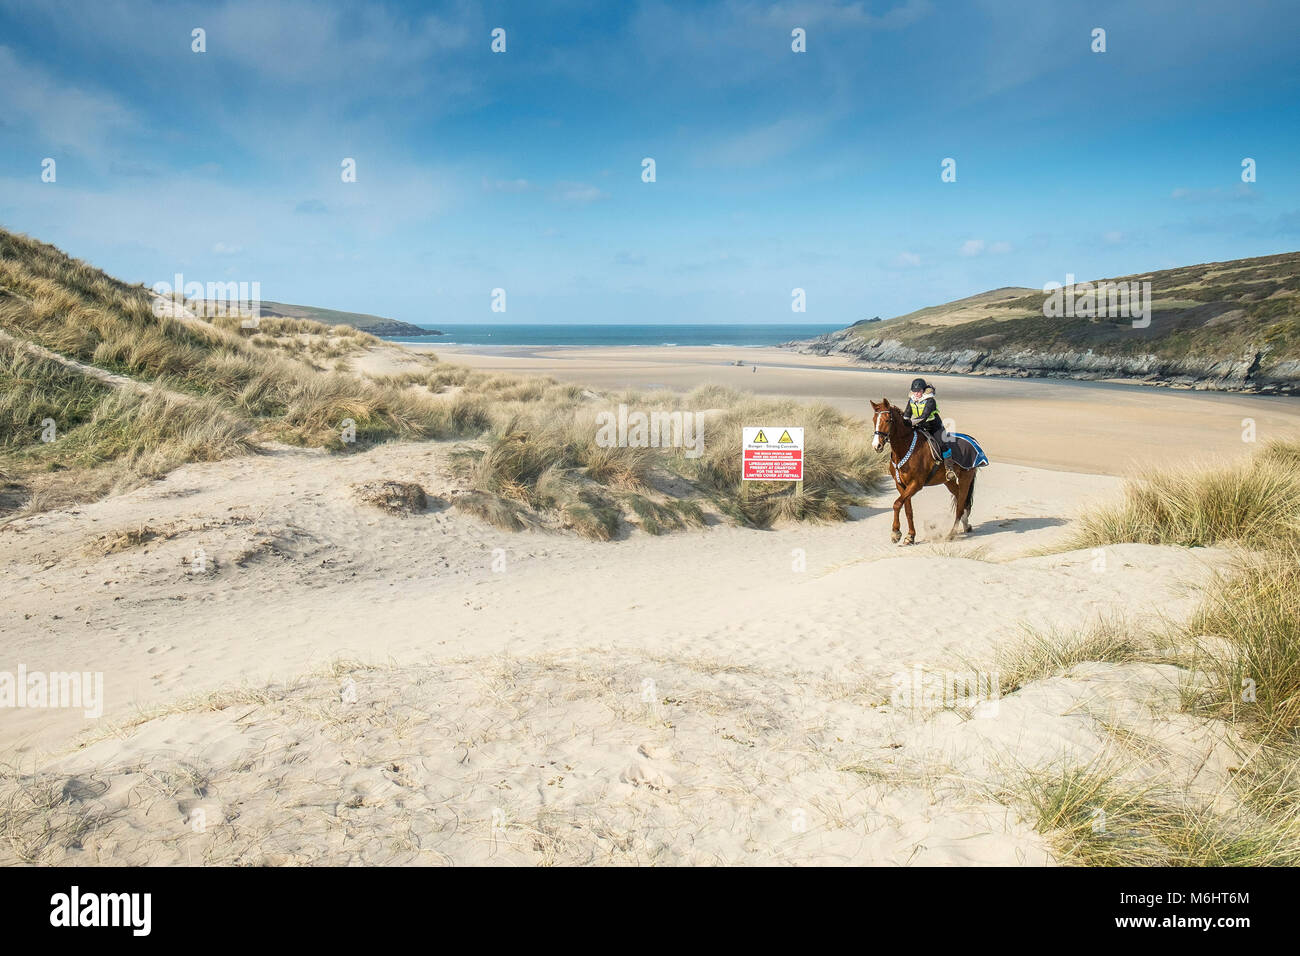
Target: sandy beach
[330, 683]
[700, 693]
[456, 435]
[1096, 428]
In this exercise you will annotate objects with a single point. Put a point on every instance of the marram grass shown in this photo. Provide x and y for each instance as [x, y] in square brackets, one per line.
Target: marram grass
[1254, 503]
[204, 389]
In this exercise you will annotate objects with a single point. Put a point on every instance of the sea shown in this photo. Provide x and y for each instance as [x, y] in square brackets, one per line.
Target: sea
[731, 336]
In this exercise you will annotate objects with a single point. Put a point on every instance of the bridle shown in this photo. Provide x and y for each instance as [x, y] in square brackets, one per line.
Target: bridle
[885, 435]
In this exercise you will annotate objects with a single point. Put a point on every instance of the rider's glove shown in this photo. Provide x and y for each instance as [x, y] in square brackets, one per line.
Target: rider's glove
[916, 420]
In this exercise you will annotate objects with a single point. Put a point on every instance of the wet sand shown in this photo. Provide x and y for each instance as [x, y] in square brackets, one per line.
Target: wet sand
[1096, 427]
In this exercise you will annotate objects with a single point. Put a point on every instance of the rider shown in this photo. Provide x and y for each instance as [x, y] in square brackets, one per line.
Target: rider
[923, 409]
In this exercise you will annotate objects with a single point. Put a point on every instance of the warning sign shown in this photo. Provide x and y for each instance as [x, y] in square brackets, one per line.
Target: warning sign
[767, 460]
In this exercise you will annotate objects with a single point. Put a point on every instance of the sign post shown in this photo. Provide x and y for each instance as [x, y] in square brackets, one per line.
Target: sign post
[772, 453]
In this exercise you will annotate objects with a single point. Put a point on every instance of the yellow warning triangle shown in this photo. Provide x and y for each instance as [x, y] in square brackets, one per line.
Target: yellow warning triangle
[785, 438]
[759, 438]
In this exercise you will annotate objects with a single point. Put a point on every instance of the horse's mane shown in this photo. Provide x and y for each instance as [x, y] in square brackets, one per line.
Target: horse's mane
[902, 416]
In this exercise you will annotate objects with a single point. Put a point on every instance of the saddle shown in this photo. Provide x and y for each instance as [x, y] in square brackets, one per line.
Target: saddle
[966, 452]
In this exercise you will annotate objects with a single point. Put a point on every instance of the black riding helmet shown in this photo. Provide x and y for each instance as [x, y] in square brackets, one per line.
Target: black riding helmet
[919, 385]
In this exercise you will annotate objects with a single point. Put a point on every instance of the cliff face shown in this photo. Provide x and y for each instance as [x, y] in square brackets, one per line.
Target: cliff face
[1248, 371]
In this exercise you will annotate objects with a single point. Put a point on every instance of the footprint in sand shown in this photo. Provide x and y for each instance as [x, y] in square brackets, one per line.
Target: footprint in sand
[201, 814]
[641, 773]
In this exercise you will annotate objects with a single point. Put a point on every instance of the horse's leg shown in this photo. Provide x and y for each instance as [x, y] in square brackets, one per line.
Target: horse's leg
[962, 494]
[915, 485]
[895, 534]
[970, 500]
[957, 489]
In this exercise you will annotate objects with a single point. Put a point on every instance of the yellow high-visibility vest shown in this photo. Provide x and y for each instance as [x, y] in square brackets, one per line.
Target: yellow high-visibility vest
[918, 408]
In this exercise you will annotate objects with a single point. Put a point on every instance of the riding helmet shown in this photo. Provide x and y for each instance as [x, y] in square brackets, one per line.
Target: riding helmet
[918, 385]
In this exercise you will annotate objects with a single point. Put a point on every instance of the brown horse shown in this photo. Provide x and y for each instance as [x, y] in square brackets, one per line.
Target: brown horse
[913, 466]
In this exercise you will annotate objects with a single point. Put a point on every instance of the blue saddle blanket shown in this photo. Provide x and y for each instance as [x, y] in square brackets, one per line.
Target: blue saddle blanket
[966, 452]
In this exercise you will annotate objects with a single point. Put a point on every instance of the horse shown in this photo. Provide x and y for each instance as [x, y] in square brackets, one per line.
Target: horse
[913, 466]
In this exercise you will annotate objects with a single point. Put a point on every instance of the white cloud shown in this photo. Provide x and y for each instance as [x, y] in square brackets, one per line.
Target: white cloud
[506, 185]
[579, 192]
[977, 247]
[847, 15]
[906, 260]
[758, 145]
[294, 41]
[62, 116]
[312, 71]
[1241, 192]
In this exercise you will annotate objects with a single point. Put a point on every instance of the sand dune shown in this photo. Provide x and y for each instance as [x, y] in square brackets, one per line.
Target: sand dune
[293, 675]
[343, 685]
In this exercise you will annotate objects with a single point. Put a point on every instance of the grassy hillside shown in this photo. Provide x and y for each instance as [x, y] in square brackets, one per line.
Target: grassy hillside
[132, 394]
[374, 324]
[99, 392]
[1199, 314]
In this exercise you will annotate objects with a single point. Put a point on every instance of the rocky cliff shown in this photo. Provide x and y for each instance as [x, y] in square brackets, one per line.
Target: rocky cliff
[1244, 372]
[1232, 326]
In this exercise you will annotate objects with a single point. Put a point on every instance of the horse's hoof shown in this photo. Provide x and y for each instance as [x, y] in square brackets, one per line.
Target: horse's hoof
[911, 539]
[894, 536]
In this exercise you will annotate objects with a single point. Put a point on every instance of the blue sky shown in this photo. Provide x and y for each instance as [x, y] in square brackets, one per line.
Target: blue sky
[775, 170]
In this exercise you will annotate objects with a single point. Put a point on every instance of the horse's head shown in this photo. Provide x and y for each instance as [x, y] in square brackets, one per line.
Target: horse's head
[884, 416]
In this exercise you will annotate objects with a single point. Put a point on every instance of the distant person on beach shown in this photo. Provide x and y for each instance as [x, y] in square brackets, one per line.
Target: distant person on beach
[923, 408]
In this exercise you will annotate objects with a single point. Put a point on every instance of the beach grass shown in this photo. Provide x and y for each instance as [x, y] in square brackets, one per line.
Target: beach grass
[1240, 656]
[1254, 503]
[136, 386]
[1248, 627]
[1095, 817]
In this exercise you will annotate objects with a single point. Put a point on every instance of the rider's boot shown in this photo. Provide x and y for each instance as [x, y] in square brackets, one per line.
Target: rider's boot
[937, 450]
[948, 471]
